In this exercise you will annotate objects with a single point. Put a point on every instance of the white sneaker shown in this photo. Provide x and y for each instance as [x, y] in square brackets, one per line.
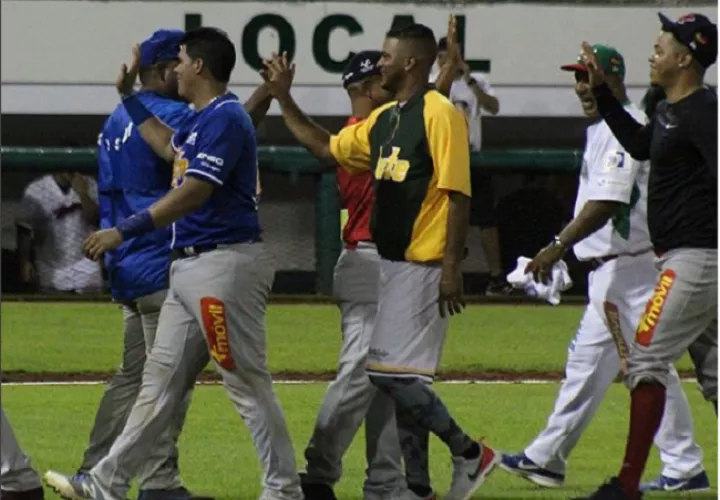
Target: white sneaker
[468, 475]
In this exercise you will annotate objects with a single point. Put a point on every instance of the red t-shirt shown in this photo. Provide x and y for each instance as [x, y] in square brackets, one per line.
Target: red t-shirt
[357, 196]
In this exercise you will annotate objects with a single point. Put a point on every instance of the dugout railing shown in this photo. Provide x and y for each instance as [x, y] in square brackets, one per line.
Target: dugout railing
[525, 218]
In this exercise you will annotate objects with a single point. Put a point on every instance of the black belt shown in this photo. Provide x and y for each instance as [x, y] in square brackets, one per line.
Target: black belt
[597, 262]
[194, 251]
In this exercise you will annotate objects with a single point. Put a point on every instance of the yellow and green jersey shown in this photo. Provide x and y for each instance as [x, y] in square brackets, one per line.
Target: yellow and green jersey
[419, 151]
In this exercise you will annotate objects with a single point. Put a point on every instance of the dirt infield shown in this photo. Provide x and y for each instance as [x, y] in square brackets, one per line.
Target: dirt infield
[484, 376]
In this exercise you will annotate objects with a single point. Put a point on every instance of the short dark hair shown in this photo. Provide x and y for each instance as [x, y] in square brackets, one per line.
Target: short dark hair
[215, 48]
[422, 38]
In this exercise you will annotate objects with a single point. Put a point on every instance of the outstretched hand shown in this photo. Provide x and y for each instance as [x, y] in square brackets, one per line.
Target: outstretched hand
[596, 75]
[125, 81]
[278, 75]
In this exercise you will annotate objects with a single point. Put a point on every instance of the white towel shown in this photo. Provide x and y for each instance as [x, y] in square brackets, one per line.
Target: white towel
[560, 281]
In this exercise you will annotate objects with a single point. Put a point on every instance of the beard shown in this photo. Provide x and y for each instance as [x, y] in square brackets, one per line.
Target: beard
[391, 82]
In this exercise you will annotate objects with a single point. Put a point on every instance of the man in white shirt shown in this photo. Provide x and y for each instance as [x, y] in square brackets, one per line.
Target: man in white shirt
[57, 213]
[610, 231]
[474, 96]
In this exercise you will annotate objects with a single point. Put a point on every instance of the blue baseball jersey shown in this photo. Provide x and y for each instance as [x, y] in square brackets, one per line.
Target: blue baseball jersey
[130, 179]
[219, 147]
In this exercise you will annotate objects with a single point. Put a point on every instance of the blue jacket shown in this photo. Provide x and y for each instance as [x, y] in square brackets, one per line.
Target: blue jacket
[131, 178]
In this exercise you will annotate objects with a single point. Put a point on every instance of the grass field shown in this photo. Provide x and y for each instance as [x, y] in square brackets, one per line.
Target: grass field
[53, 422]
[71, 337]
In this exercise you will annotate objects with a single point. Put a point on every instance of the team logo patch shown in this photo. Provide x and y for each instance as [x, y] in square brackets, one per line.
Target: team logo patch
[612, 316]
[216, 331]
[615, 163]
[649, 320]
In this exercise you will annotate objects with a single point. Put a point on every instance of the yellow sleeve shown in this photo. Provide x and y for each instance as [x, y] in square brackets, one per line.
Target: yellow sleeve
[447, 135]
[351, 146]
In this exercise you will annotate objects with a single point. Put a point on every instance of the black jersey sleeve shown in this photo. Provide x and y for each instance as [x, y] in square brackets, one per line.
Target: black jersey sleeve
[634, 137]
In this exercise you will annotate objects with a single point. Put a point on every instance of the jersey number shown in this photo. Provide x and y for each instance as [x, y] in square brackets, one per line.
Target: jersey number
[392, 167]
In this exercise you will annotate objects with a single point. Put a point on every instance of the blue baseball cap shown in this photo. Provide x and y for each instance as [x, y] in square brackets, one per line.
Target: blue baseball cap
[162, 46]
[361, 65]
[697, 33]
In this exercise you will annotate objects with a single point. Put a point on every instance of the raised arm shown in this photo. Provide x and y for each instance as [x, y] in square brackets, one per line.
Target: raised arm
[308, 133]
[258, 104]
[634, 137]
[447, 73]
[156, 133]
[347, 151]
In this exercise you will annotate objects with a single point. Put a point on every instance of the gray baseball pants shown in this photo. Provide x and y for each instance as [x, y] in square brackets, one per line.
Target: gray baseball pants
[351, 397]
[16, 473]
[681, 316]
[160, 471]
[215, 309]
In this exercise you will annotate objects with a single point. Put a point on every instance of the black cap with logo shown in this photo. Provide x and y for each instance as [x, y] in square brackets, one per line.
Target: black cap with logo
[697, 33]
[361, 65]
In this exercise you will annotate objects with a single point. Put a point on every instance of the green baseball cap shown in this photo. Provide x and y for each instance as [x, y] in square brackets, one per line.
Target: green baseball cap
[610, 60]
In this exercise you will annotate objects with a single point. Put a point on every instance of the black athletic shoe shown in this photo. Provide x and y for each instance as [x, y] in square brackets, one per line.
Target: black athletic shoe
[610, 491]
[498, 286]
[34, 494]
[316, 491]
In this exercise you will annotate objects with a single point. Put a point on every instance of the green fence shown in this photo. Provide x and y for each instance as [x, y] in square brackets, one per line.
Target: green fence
[296, 162]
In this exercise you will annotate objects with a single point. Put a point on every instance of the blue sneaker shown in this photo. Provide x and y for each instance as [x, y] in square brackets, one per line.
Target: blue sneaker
[522, 466]
[699, 482]
[77, 487]
[174, 494]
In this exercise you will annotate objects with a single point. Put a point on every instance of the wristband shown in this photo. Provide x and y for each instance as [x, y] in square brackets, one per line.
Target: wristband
[136, 225]
[139, 114]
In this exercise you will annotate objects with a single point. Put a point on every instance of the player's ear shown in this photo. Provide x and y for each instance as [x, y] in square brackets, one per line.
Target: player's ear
[198, 64]
[410, 63]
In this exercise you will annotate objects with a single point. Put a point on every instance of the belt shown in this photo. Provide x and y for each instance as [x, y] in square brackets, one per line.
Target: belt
[194, 251]
[597, 262]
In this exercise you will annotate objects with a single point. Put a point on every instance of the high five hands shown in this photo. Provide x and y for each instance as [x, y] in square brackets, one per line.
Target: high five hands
[278, 74]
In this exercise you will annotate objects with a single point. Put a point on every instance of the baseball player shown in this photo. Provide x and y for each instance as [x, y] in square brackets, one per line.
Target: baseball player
[681, 143]
[610, 232]
[351, 396]
[419, 148]
[130, 178]
[216, 239]
[18, 479]
[57, 212]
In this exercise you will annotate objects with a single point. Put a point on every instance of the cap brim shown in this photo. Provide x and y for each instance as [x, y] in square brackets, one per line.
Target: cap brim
[574, 67]
[667, 24]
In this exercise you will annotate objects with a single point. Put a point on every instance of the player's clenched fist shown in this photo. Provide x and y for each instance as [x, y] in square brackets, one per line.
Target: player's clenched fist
[125, 81]
[100, 242]
[279, 74]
